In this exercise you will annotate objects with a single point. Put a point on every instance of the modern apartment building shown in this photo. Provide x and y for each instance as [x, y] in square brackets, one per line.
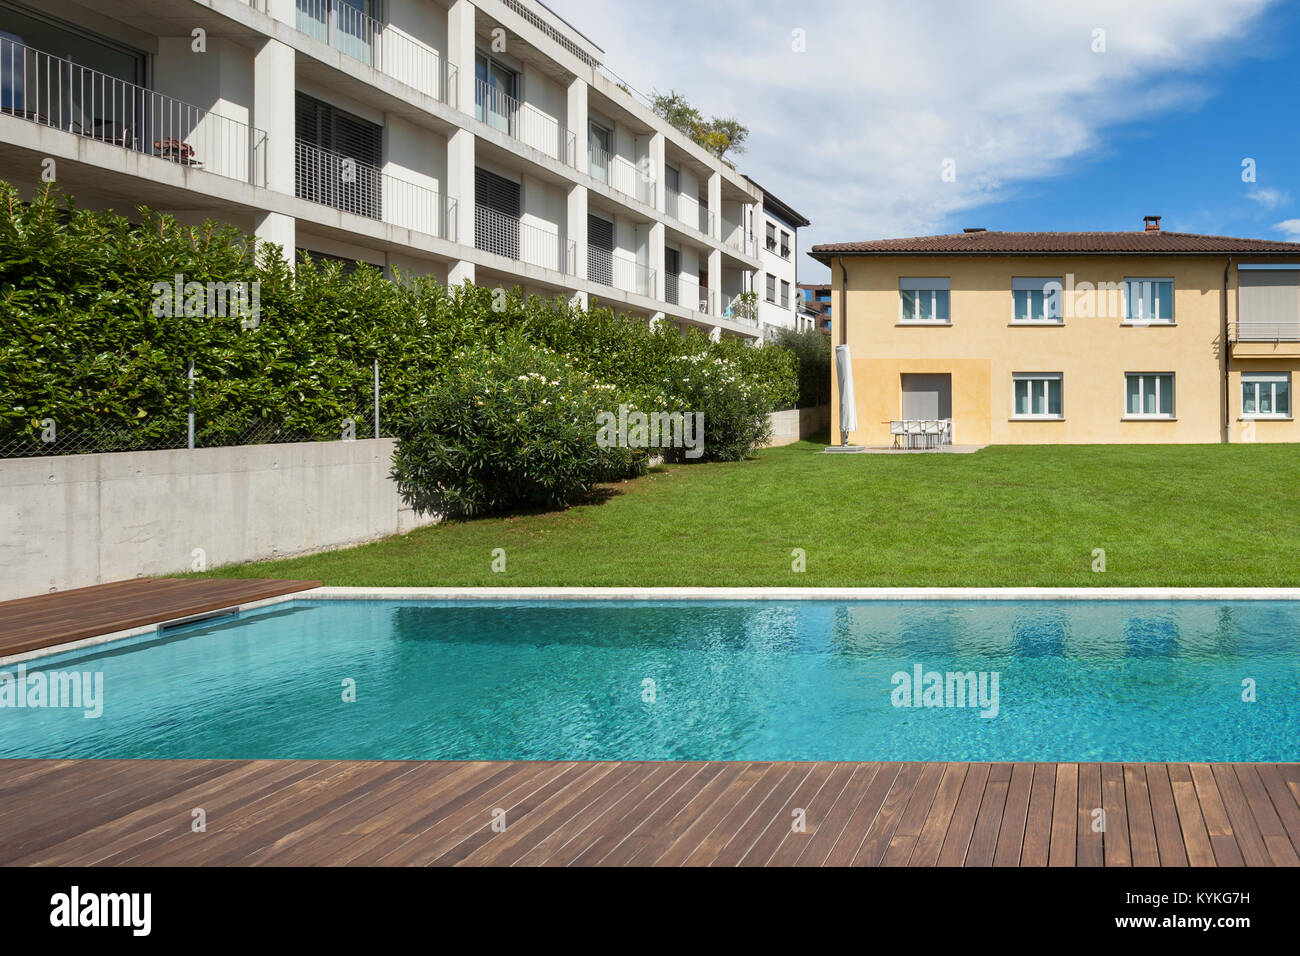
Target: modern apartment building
[475, 140]
[1082, 337]
[777, 229]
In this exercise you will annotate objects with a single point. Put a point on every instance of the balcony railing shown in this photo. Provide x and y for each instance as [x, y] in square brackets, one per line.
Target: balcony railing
[508, 236]
[526, 123]
[342, 182]
[620, 174]
[619, 271]
[689, 212]
[687, 291]
[735, 308]
[739, 239]
[63, 95]
[360, 36]
[1248, 330]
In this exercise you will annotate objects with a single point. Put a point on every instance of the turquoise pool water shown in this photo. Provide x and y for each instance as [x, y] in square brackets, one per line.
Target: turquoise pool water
[1089, 680]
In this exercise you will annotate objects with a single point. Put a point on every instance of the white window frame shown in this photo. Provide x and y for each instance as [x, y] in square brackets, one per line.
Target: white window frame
[919, 284]
[1158, 416]
[1033, 377]
[1038, 284]
[1150, 288]
[1259, 379]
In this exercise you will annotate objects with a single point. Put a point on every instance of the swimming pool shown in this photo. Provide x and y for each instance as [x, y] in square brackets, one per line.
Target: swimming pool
[719, 680]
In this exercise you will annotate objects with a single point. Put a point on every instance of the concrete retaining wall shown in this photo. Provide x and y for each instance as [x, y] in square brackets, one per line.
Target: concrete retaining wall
[796, 424]
[77, 520]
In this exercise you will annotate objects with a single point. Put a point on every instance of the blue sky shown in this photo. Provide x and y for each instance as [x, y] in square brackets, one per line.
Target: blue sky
[1045, 130]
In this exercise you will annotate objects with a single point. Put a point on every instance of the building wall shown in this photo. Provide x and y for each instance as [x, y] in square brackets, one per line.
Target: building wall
[981, 349]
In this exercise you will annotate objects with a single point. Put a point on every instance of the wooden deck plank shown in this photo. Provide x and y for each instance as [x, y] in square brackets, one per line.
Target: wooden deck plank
[61, 617]
[561, 813]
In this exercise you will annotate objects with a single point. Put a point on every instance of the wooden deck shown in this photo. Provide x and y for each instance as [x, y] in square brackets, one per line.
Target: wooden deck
[29, 624]
[110, 812]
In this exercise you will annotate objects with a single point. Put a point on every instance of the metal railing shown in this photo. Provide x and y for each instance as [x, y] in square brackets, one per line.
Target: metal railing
[735, 308]
[382, 46]
[63, 95]
[342, 182]
[686, 291]
[621, 174]
[619, 271]
[689, 211]
[508, 236]
[523, 122]
[1249, 330]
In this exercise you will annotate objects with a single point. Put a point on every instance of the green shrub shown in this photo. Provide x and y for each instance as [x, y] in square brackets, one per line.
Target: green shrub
[508, 428]
[812, 350]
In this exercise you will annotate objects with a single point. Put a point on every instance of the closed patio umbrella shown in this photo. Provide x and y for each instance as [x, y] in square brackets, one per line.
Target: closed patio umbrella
[848, 407]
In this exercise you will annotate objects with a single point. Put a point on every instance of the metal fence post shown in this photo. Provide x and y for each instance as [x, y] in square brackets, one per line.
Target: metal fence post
[376, 398]
[190, 443]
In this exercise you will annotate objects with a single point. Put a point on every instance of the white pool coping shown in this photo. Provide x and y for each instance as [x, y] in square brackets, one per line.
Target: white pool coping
[687, 594]
[796, 594]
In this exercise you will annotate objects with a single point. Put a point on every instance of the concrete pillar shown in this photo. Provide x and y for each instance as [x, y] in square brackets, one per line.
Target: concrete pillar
[460, 271]
[715, 282]
[460, 183]
[715, 205]
[273, 111]
[460, 52]
[657, 168]
[576, 220]
[577, 120]
[656, 258]
[280, 229]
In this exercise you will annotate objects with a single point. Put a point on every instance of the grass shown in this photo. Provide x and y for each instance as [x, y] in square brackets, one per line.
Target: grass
[1008, 515]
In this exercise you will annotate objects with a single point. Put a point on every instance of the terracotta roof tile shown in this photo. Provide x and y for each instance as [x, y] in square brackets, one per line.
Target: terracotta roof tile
[1040, 243]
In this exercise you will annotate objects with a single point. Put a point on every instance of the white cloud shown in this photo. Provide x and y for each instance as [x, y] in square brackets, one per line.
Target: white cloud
[1268, 198]
[852, 132]
[1290, 229]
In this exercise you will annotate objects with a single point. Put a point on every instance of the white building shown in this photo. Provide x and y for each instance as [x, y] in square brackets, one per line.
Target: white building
[777, 230]
[467, 139]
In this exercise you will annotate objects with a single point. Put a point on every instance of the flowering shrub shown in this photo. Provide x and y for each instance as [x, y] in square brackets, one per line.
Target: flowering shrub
[734, 406]
[507, 428]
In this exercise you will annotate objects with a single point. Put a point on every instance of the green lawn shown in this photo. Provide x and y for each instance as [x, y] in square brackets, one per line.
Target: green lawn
[1008, 515]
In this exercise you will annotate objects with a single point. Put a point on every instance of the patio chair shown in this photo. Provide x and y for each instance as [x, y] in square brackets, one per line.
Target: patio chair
[911, 433]
[897, 433]
[933, 431]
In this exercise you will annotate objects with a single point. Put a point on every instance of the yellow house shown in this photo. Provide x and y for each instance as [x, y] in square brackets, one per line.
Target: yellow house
[1071, 337]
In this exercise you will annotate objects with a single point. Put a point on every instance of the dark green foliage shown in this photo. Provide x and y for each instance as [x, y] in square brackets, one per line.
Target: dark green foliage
[812, 350]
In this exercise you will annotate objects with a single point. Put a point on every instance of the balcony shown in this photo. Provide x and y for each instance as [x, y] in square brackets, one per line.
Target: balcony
[740, 310]
[1252, 338]
[523, 122]
[739, 239]
[619, 271]
[621, 174]
[63, 95]
[344, 183]
[687, 291]
[347, 29]
[689, 212]
[508, 236]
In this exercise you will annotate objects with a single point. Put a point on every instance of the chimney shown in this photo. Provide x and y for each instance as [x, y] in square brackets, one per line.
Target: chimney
[1152, 223]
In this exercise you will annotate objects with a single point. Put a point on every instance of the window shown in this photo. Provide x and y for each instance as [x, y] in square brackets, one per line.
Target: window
[600, 250]
[1149, 300]
[771, 237]
[771, 287]
[1149, 394]
[1037, 300]
[785, 244]
[600, 144]
[494, 94]
[1266, 394]
[337, 158]
[785, 294]
[496, 214]
[1036, 395]
[923, 300]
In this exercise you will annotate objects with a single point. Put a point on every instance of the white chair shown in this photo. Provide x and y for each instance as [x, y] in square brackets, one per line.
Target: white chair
[933, 431]
[897, 431]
